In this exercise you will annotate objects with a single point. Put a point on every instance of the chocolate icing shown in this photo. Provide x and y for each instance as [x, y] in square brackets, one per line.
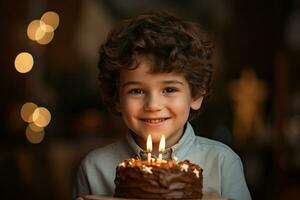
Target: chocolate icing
[167, 180]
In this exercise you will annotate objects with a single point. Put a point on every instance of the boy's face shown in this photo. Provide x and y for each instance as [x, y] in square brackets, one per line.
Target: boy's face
[156, 104]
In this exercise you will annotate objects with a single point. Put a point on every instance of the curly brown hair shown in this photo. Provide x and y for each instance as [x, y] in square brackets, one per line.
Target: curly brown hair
[172, 44]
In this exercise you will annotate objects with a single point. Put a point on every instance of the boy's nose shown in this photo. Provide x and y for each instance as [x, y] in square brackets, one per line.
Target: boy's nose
[153, 103]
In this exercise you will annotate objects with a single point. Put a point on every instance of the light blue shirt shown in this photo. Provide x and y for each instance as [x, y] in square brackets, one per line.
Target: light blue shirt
[222, 168]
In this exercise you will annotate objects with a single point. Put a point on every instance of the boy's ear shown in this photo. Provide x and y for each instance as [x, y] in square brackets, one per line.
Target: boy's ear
[196, 103]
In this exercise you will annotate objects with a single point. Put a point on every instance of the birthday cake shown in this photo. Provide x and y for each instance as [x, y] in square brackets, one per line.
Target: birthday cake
[164, 179]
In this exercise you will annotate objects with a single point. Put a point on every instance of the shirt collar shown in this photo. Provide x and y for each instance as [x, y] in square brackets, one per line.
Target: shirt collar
[178, 150]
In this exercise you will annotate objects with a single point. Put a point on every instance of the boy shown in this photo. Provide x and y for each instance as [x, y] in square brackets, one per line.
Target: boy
[154, 72]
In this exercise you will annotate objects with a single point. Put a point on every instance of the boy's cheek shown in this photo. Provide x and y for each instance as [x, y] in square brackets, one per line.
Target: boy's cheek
[128, 105]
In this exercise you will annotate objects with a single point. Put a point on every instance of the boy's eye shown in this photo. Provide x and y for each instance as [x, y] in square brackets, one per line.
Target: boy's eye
[170, 90]
[135, 91]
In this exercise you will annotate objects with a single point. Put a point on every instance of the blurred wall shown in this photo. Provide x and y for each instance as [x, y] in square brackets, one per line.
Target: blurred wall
[259, 35]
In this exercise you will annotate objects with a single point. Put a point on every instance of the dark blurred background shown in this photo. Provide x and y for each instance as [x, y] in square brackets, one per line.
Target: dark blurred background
[254, 106]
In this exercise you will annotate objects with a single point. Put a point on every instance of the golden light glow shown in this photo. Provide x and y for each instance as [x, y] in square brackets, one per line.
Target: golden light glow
[45, 27]
[42, 31]
[149, 143]
[39, 34]
[51, 18]
[149, 148]
[162, 144]
[34, 137]
[46, 38]
[38, 30]
[27, 111]
[24, 62]
[41, 117]
[32, 29]
[35, 128]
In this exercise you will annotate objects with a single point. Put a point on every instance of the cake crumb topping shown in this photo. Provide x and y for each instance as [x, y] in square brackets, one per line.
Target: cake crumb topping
[147, 169]
[184, 167]
[196, 172]
[122, 164]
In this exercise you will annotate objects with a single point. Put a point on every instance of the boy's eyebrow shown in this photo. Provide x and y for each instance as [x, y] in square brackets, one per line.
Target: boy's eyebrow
[172, 82]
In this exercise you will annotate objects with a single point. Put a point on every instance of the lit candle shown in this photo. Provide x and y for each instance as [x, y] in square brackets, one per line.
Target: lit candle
[161, 148]
[149, 147]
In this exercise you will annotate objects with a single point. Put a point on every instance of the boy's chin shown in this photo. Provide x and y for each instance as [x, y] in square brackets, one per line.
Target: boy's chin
[143, 136]
[156, 139]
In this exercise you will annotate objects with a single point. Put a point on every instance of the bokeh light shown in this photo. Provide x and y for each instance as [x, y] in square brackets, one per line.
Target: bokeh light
[27, 111]
[47, 37]
[33, 136]
[41, 117]
[51, 18]
[40, 33]
[24, 62]
[35, 128]
[32, 29]
[45, 27]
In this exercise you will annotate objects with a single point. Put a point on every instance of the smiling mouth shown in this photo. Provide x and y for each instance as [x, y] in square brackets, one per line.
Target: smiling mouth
[155, 121]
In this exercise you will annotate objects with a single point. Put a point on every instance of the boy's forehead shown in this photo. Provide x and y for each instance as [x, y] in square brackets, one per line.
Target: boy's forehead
[143, 71]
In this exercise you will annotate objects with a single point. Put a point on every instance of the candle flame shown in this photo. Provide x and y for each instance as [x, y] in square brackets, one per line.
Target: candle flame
[162, 144]
[149, 143]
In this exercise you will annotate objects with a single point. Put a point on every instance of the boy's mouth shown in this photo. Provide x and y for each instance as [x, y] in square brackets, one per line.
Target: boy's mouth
[155, 121]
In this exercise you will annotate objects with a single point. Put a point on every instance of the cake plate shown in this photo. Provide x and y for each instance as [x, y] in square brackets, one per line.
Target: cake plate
[206, 196]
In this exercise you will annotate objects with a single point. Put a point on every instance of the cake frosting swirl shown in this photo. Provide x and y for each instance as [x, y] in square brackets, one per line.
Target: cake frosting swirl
[158, 180]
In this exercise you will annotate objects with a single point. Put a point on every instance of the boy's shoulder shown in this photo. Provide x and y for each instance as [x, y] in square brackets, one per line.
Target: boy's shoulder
[214, 146]
[105, 153]
[105, 149]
